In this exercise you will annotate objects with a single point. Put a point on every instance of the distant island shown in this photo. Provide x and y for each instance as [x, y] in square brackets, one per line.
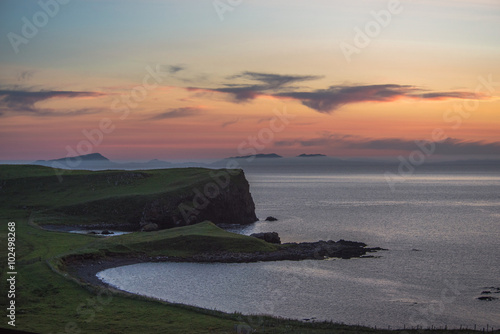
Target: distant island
[97, 161]
[304, 155]
[262, 155]
[85, 157]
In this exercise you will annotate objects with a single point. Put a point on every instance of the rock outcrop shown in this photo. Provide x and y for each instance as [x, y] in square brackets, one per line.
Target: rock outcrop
[221, 196]
[291, 251]
[271, 237]
[489, 290]
[225, 202]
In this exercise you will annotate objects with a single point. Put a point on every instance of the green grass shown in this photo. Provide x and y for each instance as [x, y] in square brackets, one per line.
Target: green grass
[48, 302]
[179, 241]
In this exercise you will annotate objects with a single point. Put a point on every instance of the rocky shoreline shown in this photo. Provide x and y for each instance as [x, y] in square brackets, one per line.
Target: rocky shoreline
[85, 268]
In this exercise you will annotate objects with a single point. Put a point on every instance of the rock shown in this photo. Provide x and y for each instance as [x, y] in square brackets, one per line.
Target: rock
[271, 237]
[489, 290]
[91, 232]
[228, 201]
[150, 227]
[375, 249]
[106, 232]
[351, 243]
[489, 299]
[220, 196]
[293, 251]
[271, 219]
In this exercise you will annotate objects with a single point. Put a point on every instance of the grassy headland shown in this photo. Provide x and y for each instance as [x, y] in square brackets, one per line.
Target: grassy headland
[124, 199]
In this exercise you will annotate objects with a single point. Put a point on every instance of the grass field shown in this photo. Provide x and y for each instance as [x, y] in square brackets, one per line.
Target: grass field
[49, 301]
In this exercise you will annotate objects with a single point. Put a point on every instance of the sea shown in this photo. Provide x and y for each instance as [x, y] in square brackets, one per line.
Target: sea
[441, 269]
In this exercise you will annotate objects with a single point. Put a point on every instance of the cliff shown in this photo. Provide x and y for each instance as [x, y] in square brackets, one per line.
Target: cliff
[129, 200]
[227, 201]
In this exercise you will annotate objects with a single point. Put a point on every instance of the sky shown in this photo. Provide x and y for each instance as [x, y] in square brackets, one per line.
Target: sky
[208, 79]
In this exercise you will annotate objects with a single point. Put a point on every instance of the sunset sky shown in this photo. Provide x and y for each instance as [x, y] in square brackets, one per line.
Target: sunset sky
[205, 79]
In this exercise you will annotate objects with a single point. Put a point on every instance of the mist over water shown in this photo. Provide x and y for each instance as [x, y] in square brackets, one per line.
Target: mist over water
[441, 229]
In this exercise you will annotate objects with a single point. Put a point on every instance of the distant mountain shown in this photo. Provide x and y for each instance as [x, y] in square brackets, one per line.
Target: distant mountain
[304, 155]
[270, 155]
[96, 161]
[85, 157]
[259, 162]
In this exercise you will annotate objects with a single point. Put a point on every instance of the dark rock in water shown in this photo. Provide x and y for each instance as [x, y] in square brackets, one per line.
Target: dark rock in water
[489, 290]
[489, 299]
[351, 243]
[271, 237]
[91, 232]
[150, 227]
[291, 251]
[271, 219]
[374, 249]
[106, 232]
[416, 250]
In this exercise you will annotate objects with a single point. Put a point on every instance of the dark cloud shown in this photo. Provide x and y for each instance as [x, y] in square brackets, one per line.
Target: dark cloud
[449, 146]
[223, 125]
[326, 139]
[450, 95]
[323, 100]
[242, 94]
[267, 83]
[177, 113]
[271, 81]
[66, 112]
[328, 100]
[172, 69]
[24, 101]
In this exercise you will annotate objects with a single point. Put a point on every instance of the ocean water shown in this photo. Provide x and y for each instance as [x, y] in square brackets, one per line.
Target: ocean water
[442, 232]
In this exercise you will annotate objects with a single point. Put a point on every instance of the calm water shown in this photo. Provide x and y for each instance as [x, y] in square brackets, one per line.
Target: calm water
[442, 232]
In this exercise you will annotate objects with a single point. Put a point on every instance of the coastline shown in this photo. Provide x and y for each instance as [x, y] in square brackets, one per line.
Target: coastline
[85, 268]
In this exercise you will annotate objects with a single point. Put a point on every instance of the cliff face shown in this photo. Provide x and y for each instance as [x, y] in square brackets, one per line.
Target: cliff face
[224, 199]
[159, 199]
